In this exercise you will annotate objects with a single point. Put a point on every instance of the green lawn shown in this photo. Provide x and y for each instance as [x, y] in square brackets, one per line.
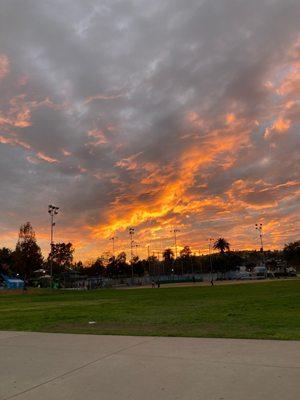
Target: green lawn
[269, 310]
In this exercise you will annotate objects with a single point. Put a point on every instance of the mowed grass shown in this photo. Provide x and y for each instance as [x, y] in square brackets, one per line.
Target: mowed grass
[269, 310]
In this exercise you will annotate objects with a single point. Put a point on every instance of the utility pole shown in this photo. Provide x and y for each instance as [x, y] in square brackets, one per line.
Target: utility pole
[131, 233]
[259, 228]
[52, 210]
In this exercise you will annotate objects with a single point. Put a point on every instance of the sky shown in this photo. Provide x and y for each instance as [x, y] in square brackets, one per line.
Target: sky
[154, 115]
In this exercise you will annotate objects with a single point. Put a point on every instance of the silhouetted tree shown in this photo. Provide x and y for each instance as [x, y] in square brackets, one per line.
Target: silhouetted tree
[117, 266]
[185, 252]
[291, 253]
[222, 245]
[139, 267]
[96, 268]
[153, 265]
[27, 256]
[223, 262]
[121, 258]
[168, 263]
[6, 260]
[62, 256]
[168, 255]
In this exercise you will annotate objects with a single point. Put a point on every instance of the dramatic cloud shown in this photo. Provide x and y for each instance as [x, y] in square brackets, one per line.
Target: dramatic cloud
[150, 114]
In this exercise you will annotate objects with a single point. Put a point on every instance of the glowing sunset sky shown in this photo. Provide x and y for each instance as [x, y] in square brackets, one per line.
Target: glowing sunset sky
[152, 114]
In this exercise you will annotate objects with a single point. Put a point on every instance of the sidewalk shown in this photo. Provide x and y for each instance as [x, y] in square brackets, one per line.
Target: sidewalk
[37, 366]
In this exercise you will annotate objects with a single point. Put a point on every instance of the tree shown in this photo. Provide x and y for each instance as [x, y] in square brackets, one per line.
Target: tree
[28, 256]
[223, 262]
[96, 268]
[117, 265]
[121, 258]
[6, 260]
[78, 266]
[186, 252]
[168, 255]
[153, 265]
[291, 252]
[61, 255]
[140, 266]
[222, 245]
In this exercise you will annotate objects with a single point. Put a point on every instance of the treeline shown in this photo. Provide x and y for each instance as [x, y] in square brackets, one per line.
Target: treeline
[27, 262]
[27, 258]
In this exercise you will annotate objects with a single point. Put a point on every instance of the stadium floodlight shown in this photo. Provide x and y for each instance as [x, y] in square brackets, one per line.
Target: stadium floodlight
[131, 233]
[52, 210]
[259, 228]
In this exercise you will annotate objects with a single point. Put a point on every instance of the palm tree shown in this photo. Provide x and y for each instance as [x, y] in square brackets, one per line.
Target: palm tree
[222, 245]
[168, 255]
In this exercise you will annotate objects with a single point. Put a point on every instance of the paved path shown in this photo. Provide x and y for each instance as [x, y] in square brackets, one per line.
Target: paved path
[41, 366]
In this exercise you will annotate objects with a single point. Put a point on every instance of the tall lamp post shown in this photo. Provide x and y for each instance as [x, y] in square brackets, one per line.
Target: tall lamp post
[113, 238]
[136, 245]
[210, 260]
[148, 253]
[259, 228]
[113, 244]
[175, 231]
[131, 233]
[53, 211]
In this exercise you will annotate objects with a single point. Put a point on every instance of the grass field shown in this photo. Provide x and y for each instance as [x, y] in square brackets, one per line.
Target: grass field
[269, 310]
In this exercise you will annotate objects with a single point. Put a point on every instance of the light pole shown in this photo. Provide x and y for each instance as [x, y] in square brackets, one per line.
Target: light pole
[210, 260]
[131, 233]
[113, 244]
[52, 210]
[259, 228]
[148, 253]
[113, 238]
[175, 231]
[136, 245]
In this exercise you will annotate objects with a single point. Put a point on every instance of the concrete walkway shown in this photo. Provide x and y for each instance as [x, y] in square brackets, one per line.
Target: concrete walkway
[42, 366]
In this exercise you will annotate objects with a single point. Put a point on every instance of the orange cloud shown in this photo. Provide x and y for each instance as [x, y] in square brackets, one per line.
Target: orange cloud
[66, 153]
[4, 66]
[42, 156]
[195, 120]
[169, 187]
[230, 118]
[282, 125]
[102, 96]
[129, 163]
[14, 142]
[99, 137]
